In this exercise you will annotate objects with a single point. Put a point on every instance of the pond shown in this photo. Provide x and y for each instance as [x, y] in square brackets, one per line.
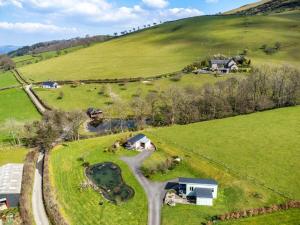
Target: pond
[107, 176]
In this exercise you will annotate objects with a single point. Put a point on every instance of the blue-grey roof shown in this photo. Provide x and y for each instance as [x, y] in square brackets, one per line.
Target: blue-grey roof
[137, 138]
[203, 192]
[49, 83]
[197, 181]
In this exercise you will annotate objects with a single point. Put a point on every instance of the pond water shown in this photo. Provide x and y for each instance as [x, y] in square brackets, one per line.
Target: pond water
[107, 176]
[106, 126]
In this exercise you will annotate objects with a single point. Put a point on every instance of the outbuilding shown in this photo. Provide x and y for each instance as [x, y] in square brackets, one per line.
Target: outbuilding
[10, 184]
[139, 142]
[202, 191]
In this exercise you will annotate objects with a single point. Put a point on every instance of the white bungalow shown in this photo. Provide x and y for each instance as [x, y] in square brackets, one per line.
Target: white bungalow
[203, 191]
[49, 84]
[138, 142]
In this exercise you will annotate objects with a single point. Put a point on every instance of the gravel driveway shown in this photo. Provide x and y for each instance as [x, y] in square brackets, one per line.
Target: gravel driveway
[155, 191]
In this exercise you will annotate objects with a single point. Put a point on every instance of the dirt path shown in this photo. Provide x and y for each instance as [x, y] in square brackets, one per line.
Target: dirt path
[39, 212]
[155, 191]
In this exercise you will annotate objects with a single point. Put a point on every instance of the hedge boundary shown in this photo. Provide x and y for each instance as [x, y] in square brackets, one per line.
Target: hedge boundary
[27, 188]
[51, 204]
[111, 81]
[292, 204]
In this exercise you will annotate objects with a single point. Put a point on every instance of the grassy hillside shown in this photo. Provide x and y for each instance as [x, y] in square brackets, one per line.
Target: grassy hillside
[171, 46]
[248, 6]
[82, 207]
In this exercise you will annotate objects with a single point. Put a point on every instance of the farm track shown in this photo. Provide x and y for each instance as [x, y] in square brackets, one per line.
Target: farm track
[155, 191]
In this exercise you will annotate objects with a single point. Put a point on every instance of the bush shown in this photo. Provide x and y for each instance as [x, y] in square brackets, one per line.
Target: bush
[27, 188]
[51, 204]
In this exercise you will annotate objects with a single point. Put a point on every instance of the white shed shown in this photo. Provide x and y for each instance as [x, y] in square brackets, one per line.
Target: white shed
[139, 142]
[10, 183]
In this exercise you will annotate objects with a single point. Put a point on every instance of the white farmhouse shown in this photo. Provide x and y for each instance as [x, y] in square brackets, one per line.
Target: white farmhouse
[50, 85]
[139, 142]
[203, 191]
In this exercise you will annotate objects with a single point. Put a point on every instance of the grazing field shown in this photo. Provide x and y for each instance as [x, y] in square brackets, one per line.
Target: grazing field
[87, 95]
[263, 145]
[16, 108]
[16, 105]
[7, 79]
[171, 46]
[82, 207]
[12, 155]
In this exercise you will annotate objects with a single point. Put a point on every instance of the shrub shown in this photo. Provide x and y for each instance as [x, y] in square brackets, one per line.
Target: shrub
[51, 204]
[27, 188]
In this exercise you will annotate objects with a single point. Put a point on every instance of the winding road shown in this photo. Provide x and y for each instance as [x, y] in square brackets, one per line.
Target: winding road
[38, 208]
[155, 191]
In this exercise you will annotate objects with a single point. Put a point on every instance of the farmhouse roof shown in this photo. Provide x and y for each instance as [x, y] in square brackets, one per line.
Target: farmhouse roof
[49, 83]
[11, 178]
[197, 181]
[203, 192]
[137, 138]
[220, 61]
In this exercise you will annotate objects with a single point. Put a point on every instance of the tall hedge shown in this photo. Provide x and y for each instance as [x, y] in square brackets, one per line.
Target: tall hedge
[51, 205]
[27, 188]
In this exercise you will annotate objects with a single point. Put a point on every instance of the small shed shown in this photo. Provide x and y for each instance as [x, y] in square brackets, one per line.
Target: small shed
[93, 113]
[49, 85]
[138, 142]
[10, 184]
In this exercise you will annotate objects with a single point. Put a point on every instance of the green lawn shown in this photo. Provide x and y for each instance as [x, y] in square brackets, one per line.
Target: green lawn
[82, 207]
[87, 95]
[7, 79]
[12, 155]
[290, 217]
[171, 46]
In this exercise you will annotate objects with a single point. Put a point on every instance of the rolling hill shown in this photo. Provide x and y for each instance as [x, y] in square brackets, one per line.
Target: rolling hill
[267, 6]
[171, 46]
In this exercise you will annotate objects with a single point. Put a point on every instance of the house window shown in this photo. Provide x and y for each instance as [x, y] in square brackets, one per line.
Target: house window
[191, 188]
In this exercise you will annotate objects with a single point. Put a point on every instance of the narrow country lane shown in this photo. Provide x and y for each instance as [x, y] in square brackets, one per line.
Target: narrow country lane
[39, 212]
[34, 99]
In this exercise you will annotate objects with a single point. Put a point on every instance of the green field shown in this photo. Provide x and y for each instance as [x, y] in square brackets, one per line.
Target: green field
[82, 207]
[16, 106]
[171, 46]
[263, 145]
[12, 155]
[7, 79]
[87, 95]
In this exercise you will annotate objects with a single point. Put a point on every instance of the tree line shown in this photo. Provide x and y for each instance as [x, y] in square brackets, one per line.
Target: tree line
[265, 88]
